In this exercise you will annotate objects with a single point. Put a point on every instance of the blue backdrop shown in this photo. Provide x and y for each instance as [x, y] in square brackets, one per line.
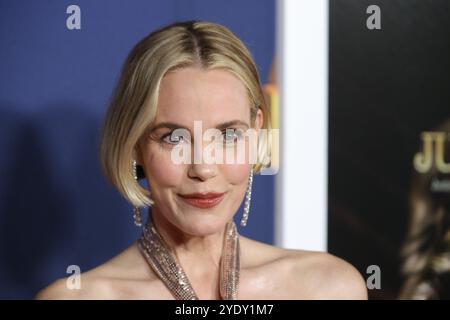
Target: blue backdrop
[56, 208]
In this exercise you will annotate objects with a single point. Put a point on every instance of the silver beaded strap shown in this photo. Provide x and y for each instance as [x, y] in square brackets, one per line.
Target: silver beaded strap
[166, 266]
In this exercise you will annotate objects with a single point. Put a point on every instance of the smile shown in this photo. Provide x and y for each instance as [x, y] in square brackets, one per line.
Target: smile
[204, 201]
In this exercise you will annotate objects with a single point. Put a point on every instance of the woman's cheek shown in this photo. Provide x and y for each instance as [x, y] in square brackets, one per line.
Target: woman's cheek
[162, 171]
[235, 174]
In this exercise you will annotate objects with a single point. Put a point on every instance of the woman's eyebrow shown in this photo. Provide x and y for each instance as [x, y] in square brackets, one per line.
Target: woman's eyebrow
[171, 125]
[168, 125]
[231, 123]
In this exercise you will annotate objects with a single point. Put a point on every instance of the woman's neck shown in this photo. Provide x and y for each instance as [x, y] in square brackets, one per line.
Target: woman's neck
[199, 256]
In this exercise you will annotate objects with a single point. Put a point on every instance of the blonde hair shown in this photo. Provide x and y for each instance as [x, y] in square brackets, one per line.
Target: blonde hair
[134, 102]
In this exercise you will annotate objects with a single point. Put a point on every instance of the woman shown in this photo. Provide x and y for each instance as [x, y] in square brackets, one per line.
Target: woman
[176, 78]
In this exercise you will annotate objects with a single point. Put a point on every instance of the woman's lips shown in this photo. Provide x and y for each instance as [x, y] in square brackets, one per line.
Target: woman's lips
[203, 200]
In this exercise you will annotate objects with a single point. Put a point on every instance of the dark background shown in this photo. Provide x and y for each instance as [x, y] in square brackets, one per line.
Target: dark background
[385, 87]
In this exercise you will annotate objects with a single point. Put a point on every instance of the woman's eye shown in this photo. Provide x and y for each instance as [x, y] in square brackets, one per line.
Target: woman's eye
[174, 138]
[232, 135]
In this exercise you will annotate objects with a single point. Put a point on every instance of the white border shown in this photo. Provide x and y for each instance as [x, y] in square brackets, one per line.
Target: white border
[301, 183]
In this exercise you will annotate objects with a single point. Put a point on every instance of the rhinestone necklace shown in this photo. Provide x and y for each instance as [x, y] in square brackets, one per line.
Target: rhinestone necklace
[165, 264]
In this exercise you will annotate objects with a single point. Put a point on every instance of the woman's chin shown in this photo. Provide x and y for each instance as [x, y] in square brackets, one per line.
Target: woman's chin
[204, 226]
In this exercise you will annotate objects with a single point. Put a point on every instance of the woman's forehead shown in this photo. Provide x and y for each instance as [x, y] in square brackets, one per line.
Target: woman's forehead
[212, 96]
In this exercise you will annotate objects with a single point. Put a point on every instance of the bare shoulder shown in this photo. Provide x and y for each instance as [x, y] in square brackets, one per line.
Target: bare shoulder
[61, 289]
[326, 276]
[110, 280]
[306, 274]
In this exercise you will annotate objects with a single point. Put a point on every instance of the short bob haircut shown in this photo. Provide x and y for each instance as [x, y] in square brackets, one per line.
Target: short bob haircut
[134, 101]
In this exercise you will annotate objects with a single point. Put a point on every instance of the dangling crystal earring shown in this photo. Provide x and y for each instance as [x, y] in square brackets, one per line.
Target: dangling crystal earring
[136, 211]
[248, 198]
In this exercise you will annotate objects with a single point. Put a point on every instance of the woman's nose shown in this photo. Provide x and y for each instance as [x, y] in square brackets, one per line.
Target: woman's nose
[201, 167]
[202, 171]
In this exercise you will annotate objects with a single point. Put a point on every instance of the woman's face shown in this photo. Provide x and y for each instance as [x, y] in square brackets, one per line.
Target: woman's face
[218, 99]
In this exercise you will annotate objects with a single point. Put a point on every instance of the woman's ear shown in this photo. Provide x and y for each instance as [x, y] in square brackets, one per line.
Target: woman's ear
[259, 120]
